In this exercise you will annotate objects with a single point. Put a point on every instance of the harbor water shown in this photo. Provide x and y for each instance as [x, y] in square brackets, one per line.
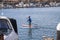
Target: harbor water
[44, 21]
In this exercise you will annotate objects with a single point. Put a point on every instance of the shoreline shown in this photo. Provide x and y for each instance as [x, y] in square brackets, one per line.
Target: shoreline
[28, 7]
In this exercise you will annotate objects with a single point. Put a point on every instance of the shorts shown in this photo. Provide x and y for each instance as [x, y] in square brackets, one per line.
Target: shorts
[30, 23]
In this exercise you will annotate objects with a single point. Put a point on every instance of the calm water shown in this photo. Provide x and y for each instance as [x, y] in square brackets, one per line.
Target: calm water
[44, 21]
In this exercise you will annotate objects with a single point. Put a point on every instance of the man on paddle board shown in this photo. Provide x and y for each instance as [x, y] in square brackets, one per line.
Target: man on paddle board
[29, 21]
[29, 24]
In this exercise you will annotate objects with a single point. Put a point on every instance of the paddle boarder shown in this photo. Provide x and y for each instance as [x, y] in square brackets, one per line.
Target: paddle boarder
[29, 21]
[30, 29]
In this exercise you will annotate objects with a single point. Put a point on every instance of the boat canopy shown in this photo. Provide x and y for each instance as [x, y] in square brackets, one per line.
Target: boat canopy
[4, 25]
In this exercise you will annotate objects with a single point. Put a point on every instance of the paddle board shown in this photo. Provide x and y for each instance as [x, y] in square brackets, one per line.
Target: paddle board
[27, 26]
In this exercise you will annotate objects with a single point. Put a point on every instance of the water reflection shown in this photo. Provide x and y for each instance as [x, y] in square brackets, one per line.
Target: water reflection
[30, 33]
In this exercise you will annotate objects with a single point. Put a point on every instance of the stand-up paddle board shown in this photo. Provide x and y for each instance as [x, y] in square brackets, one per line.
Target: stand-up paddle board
[27, 26]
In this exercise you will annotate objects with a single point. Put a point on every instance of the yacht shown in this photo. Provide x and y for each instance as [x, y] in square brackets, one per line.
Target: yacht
[58, 31]
[8, 27]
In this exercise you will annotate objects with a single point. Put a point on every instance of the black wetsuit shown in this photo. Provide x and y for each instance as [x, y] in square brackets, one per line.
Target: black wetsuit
[29, 21]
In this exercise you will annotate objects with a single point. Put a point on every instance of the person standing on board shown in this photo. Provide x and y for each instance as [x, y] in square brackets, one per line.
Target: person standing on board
[29, 21]
[30, 25]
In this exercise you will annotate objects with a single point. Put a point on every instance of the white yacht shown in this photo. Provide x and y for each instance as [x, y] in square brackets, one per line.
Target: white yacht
[8, 27]
[58, 31]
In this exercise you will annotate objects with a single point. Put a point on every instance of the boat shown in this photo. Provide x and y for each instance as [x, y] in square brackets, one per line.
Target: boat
[8, 27]
[58, 31]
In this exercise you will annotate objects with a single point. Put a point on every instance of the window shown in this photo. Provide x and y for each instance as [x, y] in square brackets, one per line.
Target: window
[5, 27]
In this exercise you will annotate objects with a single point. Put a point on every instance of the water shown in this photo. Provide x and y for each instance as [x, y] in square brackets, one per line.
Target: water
[46, 20]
